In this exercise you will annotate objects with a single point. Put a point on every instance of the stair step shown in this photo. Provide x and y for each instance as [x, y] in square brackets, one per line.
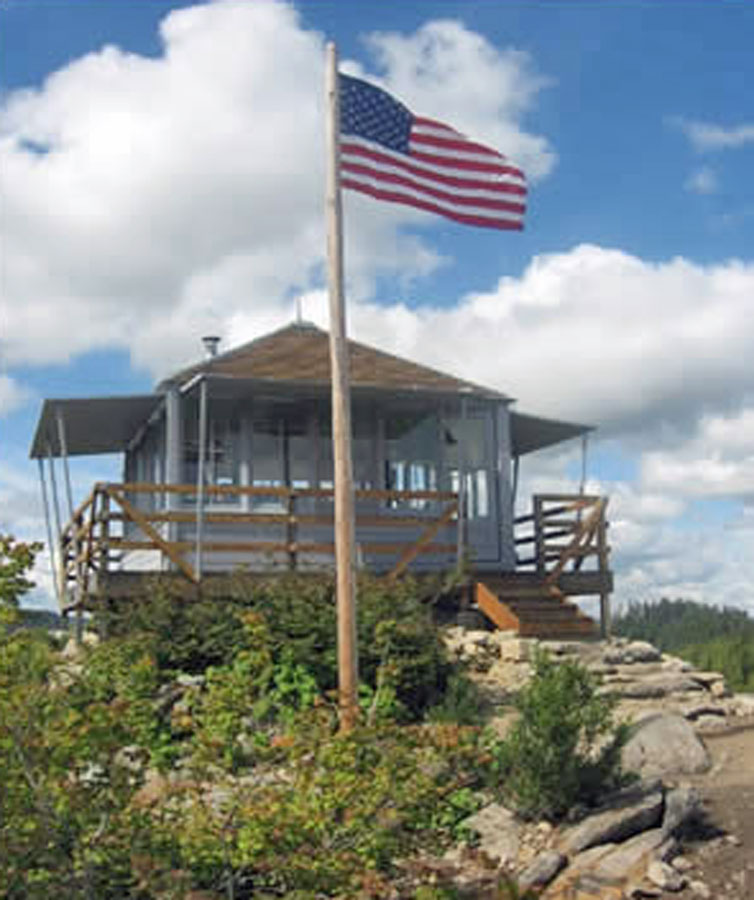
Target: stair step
[534, 612]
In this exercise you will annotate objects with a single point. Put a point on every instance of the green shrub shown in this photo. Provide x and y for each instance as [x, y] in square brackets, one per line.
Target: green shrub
[186, 635]
[564, 749]
[395, 630]
[345, 807]
[461, 703]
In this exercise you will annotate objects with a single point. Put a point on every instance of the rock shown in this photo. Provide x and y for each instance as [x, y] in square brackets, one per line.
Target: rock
[695, 711]
[542, 870]
[743, 704]
[190, 681]
[628, 858]
[498, 832]
[719, 689]
[516, 650]
[630, 815]
[665, 877]
[707, 679]
[605, 871]
[634, 652]
[132, 757]
[656, 686]
[700, 889]
[681, 805]
[665, 744]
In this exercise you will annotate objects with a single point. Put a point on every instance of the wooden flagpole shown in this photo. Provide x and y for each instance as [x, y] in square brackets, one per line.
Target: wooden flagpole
[341, 414]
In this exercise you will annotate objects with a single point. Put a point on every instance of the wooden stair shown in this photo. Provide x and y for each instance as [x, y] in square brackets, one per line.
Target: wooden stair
[539, 611]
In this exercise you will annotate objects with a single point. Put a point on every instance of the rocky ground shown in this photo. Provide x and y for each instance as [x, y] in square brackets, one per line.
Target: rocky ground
[686, 829]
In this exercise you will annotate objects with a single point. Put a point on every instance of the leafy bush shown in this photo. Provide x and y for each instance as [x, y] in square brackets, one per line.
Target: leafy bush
[186, 635]
[16, 561]
[564, 749]
[395, 630]
[332, 820]
[461, 703]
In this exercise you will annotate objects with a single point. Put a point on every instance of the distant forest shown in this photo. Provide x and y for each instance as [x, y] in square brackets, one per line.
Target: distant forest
[712, 638]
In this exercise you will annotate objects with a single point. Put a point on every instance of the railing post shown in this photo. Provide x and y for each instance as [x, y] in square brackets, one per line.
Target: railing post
[602, 553]
[539, 536]
[104, 518]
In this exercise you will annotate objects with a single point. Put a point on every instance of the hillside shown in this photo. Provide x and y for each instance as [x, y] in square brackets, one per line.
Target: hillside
[710, 637]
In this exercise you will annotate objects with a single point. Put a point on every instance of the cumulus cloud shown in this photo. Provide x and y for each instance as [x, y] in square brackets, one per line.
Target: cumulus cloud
[595, 335]
[437, 72]
[702, 181]
[706, 136]
[12, 394]
[142, 195]
[718, 460]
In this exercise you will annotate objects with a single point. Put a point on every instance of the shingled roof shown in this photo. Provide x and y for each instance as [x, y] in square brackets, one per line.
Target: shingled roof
[300, 353]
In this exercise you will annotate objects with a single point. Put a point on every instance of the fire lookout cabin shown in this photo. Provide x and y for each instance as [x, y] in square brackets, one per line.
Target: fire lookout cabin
[229, 465]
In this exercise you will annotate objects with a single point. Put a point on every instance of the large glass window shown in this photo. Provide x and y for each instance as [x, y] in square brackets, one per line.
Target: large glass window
[467, 446]
[412, 456]
[222, 460]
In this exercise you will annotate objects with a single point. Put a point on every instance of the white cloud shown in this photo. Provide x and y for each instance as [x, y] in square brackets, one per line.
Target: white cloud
[12, 394]
[438, 71]
[702, 181]
[706, 136]
[593, 335]
[718, 460]
[148, 199]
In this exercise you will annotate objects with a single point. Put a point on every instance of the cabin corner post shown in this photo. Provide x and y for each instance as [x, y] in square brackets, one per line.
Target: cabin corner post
[505, 495]
[173, 453]
[341, 410]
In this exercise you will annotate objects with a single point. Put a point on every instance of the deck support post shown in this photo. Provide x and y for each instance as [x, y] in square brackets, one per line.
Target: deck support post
[60, 574]
[51, 546]
[80, 576]
[200, 476]
[173, 451]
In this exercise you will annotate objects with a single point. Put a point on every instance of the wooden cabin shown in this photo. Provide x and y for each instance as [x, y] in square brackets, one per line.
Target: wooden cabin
[228, 464]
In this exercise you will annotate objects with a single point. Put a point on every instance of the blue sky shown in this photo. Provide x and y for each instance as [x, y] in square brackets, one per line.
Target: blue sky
[182, 193]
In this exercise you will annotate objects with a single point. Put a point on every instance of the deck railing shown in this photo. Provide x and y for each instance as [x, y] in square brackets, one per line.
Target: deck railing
[112, 521]
[564, 533]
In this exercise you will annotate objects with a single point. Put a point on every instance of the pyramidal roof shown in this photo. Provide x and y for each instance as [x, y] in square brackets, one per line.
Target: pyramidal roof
[301, 353]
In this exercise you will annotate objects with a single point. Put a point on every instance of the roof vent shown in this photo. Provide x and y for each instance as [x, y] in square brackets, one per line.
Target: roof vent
[211, 342]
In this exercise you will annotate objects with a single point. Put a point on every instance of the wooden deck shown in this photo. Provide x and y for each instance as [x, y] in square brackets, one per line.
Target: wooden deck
[562, 544]
[113, 535]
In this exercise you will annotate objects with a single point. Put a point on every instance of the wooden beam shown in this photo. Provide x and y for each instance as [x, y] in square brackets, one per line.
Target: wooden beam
[410, 553]
[497, 612]
[147, 528]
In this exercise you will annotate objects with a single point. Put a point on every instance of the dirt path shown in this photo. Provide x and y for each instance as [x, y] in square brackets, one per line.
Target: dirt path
[724, 859]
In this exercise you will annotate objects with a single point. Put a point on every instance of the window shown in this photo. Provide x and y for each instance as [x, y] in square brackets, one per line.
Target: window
[222, 460]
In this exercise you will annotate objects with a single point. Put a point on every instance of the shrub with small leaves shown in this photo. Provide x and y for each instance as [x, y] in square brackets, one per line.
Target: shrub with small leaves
[564, 748]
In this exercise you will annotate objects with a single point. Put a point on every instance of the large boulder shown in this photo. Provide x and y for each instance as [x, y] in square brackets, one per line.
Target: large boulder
[666, 745]
[628, 814]
[499, 832]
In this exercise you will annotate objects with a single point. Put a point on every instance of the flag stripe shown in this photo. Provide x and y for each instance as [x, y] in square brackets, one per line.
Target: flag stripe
[380, 156]
[467, 198]
[511, 224]
[470, 164]
[411, 193]
[455, 144]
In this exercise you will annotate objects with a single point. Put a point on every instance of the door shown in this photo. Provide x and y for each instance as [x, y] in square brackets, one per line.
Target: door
[469, 443]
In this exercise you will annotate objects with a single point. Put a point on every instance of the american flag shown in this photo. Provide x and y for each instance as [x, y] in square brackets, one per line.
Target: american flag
[391, 154]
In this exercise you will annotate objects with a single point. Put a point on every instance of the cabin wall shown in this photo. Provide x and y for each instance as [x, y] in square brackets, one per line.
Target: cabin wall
[407, 447]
